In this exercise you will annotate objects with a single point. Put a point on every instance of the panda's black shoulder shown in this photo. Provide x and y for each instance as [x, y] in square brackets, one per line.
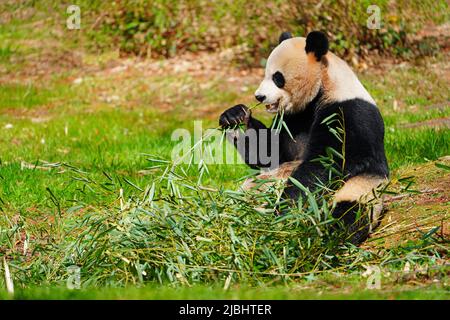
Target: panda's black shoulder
[364, 135]
[359, 114]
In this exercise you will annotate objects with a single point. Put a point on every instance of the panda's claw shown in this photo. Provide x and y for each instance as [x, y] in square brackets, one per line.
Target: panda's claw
[234, 116]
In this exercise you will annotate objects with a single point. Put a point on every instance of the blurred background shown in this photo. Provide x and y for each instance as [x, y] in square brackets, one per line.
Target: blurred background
[163, 29]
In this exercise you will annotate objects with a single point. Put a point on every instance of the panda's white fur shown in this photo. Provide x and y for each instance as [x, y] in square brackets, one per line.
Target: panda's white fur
[335, 77]
[341, 82]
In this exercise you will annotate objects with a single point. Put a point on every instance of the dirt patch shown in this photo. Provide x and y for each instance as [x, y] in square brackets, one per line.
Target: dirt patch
[205, 65]
[433, 123]
[24, 14]
[410, 215]
[440, 33]
[36, 114]
[437, 106]
[49, 62]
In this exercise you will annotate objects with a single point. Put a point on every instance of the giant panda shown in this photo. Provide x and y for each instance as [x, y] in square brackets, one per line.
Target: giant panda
[308, 83]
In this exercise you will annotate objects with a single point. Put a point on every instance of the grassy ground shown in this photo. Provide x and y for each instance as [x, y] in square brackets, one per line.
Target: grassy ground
[292, 292]
[62, 107]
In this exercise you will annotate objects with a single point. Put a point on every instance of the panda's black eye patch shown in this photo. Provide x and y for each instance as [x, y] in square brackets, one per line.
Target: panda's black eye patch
[278, 79]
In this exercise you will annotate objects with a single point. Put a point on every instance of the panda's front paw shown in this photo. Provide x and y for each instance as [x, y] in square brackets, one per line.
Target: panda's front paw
[234, 116]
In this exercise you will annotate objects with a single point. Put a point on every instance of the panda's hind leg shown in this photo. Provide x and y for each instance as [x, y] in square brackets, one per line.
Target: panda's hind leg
[356, 224]
[359, 206]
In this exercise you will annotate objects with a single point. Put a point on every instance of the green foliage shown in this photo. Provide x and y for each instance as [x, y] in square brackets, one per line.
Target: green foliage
[174, 229]
[163, 29]
[177, 231]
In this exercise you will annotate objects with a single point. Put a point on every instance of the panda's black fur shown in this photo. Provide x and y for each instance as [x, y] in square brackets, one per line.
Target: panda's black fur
[364, 143]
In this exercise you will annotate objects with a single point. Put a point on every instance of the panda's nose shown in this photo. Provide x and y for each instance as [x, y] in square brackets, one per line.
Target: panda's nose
[260, 98]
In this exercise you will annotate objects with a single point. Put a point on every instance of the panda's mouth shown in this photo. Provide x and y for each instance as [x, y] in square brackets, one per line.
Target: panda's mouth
[273, 108]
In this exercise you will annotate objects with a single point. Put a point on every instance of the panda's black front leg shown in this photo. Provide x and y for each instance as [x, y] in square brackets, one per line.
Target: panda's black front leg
[249, 149]
[239, 114]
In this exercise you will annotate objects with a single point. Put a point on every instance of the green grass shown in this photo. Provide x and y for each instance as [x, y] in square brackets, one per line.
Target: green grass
[411, 146]
[70, 159]
[217, 293]
[28, 96]
[6, 51]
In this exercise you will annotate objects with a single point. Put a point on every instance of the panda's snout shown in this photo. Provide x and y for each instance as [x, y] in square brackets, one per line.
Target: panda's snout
[260, 98]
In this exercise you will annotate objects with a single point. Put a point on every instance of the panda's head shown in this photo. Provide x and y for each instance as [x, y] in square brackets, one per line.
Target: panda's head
[293, 72]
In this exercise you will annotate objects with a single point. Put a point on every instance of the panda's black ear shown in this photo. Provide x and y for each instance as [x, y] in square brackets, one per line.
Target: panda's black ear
[317, 42]
[285, 35]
